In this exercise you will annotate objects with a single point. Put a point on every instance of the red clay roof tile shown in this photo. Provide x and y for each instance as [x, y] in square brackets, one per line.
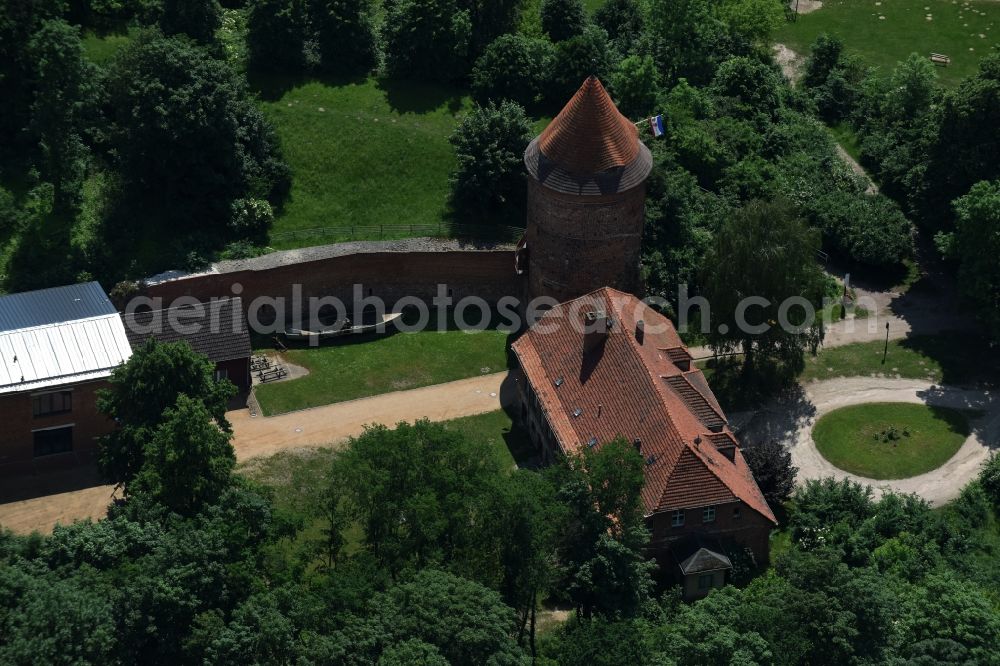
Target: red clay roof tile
[620, 390]
[590, 135]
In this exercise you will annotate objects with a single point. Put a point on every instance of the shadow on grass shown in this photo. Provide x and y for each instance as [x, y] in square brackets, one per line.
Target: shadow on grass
[966, 358]
[420, 97]
[272, 86]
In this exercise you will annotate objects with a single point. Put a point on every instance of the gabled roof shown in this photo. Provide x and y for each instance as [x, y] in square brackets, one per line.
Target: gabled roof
[700, 554]
[56, 305]
[589, 148]
[622, 388]
[59, 336]
[216, 329]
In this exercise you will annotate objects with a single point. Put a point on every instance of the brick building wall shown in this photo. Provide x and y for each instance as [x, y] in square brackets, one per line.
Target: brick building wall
[577, 244]
[734, 523]
[390, 276]
[17, 437]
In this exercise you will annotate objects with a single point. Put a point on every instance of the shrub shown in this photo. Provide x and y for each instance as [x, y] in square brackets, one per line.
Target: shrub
[489, 179]
[989, 478]
[251, 218]
[513, 67]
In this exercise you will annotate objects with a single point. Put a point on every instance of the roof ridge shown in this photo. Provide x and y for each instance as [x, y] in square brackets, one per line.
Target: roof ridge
[56, 324]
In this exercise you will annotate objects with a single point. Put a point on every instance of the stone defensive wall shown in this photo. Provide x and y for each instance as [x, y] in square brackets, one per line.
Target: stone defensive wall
[389, 270]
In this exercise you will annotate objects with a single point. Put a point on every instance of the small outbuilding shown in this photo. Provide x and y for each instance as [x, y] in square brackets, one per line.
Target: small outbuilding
[217, 329]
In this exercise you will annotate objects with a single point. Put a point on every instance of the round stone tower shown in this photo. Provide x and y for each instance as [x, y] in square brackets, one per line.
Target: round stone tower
[586, 199]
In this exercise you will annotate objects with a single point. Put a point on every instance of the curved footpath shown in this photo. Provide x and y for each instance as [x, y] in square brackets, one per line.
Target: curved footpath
[937, 486]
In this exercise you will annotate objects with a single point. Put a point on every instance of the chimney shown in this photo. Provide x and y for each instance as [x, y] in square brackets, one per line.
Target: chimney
[637, 443]
[640, 331]
[595, 331]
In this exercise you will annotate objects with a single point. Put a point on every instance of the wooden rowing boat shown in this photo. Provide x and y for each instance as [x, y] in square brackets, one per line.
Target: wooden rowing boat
[343, 328]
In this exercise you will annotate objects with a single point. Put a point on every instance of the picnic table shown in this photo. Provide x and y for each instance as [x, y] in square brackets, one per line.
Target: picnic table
[272, 374]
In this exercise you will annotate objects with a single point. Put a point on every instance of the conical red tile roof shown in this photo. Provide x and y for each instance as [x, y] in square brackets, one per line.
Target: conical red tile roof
[590, 135]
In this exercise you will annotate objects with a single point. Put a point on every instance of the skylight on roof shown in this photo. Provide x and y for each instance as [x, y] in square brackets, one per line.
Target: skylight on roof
[592, 442]
[650, 460]
[559, 381]
[578, 411]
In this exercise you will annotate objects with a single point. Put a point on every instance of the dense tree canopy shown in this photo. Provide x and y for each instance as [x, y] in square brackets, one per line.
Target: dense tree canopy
[142, 392]
[428, 39]
[488, 183]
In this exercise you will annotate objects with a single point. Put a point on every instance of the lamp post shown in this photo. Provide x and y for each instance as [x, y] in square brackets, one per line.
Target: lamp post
[885, 352]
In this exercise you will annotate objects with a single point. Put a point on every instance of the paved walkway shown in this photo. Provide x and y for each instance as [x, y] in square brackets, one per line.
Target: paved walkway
[67, 497]
[792, 420]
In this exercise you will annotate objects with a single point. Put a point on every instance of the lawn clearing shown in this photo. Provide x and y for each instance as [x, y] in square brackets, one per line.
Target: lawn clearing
[955, 359]
[965, 31]
[889, 440]
[99, 49]
[396, 362]
[364, 154]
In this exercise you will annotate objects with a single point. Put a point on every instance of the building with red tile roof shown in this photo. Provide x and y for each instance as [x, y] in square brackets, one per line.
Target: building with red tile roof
[586, 200]
[605, 366]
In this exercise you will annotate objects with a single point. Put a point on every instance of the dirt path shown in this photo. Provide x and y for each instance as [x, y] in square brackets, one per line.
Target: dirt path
[791, 420]
[857, 168]
[74, 495]
[789, 61]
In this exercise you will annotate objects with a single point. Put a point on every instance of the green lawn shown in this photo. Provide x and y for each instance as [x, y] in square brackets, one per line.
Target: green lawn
[100, 48]
[954, 30]
[890, 440]
[958, 358]
[396, 362]
[369, 153]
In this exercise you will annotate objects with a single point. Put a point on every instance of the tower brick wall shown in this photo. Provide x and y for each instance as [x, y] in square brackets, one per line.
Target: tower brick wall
[577, 244]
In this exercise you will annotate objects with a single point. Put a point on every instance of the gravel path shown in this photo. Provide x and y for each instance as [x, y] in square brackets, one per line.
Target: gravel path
[792, 420]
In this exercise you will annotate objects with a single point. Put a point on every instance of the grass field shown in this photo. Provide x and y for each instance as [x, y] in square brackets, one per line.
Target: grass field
[888, 440]
[961, 29]
[367, 153]
[950, 359]
[393, 363]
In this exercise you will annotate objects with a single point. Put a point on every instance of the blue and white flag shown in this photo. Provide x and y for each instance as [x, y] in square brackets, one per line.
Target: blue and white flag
[656, 124]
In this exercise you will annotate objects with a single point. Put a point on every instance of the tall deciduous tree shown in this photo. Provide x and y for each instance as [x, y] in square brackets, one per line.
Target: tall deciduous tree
[141, 392]
[186, 140]
[488, 183]
[977, 249]
[764, 287]
[562, 19]
[771, 464]
[604, 534]
[346, 34]
[513, 67]
[427, 39]
[198, 19]
[275, 36]
[63, 87]
[188, 461]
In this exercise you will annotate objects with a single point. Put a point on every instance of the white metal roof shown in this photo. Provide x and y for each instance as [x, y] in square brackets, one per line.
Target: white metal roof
[59, 353]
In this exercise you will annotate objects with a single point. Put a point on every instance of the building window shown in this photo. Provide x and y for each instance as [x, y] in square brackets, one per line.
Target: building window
[708, 515]
[705, 581]
[221, 373]
[736, 513]
[52, 441]
[677, 519]
[48, 404]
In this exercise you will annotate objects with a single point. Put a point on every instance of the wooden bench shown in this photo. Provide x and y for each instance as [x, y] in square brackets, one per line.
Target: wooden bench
[260, 363]
[940, 59]
[272, 375]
